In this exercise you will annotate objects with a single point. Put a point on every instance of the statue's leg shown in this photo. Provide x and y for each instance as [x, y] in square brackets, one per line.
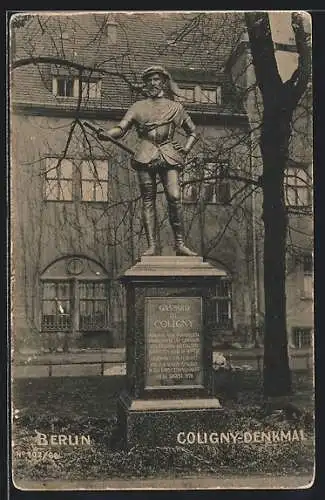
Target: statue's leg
[170, 180]
[148, 189]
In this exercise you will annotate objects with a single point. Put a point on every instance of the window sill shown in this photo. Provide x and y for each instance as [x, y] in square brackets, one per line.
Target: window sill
[307, 297]
[58, 201]
[213, 203]
[75, 99]
[95, 202]
[299, 210]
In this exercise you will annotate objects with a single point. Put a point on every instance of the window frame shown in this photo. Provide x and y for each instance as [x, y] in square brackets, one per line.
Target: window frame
[93, 300]
[48, 178]
[95, 182]
[74, 300]
[208, 88]
[56, 300]
[184, 87]
[198, 89]
[76, 180]
[200, 170]
[221, 298]
[293, 174]
[307, 289]
[299, 332]
[75, 87]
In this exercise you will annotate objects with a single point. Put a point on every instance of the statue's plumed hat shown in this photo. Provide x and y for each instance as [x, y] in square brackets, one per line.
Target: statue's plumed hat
[155, 69]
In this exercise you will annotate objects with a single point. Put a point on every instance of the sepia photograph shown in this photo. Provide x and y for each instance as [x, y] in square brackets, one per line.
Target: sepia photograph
[161, 250]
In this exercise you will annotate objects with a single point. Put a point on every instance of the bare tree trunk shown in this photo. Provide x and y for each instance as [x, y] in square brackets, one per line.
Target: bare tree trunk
[279, 101]
[274, 147]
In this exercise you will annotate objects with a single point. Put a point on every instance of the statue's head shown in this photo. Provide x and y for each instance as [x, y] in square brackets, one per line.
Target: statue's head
[157, 80]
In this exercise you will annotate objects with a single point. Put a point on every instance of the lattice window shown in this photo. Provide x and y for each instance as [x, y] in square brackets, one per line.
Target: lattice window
[208, 183]
[308, 276]
[58, 180]
[68, 86]
[56, 306]
[185, 94]
[93, 307]
[302, 337]
[224, 304]
[297, 187]
[94, 180]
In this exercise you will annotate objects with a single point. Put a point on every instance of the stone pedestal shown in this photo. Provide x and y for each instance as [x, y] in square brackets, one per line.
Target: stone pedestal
[170, 312]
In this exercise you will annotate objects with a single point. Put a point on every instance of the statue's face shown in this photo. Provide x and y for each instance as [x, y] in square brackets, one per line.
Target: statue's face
[154, 84]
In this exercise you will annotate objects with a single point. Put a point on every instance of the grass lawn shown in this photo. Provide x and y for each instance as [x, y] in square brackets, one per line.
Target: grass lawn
[86, 405]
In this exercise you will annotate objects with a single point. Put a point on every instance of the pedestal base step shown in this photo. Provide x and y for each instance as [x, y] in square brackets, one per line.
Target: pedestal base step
[174, 404]
[153, 423]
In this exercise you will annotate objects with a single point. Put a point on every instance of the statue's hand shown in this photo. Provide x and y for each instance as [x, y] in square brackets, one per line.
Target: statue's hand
[101, 135]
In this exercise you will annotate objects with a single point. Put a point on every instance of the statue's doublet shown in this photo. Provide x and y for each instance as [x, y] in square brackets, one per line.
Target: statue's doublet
[156, 120]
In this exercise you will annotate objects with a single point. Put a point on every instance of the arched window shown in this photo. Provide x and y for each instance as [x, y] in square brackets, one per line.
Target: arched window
[75, 296]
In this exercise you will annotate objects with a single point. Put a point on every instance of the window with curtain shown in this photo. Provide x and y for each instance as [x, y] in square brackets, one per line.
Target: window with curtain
[84, 302]
[68, 86]
[93, 309]
[56, 306]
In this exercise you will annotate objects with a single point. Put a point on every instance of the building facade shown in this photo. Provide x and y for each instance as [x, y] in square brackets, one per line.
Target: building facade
[76, 223]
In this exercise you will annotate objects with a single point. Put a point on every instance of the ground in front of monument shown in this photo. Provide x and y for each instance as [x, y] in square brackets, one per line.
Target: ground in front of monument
[67, 428]
[172, 416]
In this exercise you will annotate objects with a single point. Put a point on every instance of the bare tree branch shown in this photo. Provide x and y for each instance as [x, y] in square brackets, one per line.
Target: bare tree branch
[58, 61]
[299, 80]
[262, 48]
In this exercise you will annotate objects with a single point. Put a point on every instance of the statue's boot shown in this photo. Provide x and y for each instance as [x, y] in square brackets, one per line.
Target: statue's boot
[175, 216]
[149, 222]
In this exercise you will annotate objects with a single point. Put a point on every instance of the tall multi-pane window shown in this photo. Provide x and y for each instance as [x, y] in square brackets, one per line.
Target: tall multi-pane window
[302, 337]
[75, 297]
[91, 89]
[224, 304]
[63, 86]
[68, 180]
[297, 187]
[207, 182]
[216, 186]
[93, 305]
[190, 185]
[68, 86]
[84, 303]
[56, 306]
[58, 179]
[94, 180]
[308, 276]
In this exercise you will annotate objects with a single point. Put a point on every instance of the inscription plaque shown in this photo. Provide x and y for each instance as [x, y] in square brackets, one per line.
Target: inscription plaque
[173, 342]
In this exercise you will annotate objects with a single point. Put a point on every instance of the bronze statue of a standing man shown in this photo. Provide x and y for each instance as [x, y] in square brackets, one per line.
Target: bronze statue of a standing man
[155, 119]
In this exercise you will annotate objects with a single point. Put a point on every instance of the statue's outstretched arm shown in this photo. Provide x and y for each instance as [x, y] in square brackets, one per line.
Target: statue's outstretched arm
[119, 130]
